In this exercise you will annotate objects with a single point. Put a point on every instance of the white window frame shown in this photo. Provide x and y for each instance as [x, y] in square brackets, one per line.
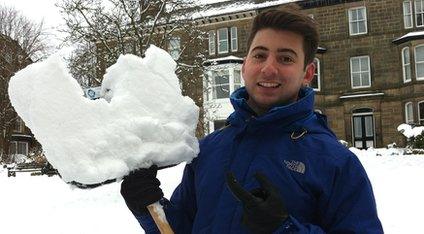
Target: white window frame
[215, 86]
[212, 45]
[421, 2]
[16, 143]
[231, 81]
[234, 39]
[360, 71]
[318, 74]
[409, 116]
[418, 63]
[406, 65]
[405, 6]
[420, 120]
[221, 41]
[174, 49]
[350, 11]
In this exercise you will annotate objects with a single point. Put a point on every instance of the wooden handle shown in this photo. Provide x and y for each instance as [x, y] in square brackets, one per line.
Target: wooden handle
[158, 214]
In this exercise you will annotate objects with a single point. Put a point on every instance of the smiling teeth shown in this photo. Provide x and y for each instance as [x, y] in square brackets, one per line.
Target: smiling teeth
[269, 85]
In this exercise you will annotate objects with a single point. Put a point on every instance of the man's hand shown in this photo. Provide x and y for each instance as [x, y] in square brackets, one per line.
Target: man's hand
[140, 189]
[264, 210]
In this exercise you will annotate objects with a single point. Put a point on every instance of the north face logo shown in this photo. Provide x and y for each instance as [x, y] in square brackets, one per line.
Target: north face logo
[295, 166]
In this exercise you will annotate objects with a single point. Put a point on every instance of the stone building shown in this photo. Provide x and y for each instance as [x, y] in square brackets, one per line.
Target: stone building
[370, 63]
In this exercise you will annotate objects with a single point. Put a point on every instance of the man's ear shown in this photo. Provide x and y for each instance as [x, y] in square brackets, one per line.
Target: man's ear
[309, 74]
[242, 67]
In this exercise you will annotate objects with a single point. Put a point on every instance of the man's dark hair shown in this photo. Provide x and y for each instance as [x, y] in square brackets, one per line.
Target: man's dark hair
[289, 19]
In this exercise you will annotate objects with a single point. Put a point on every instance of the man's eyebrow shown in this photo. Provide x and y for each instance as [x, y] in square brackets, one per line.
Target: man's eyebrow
[280, 50]
[260, 48]
[287, 50]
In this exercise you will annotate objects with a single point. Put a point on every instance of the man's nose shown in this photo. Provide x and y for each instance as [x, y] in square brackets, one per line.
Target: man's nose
[270, 67]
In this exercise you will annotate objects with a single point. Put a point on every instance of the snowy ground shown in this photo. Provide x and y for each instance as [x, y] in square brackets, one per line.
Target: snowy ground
[40, 204]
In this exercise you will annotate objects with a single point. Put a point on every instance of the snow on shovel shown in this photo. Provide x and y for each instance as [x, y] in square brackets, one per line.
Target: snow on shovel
[143, 119]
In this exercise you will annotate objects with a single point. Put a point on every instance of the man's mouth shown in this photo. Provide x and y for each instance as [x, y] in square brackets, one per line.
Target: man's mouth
[269, 84]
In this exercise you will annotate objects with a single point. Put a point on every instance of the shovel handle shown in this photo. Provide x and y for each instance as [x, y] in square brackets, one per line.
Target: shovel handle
[158, 214]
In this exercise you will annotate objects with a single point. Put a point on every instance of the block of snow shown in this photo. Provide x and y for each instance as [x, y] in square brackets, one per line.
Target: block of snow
[143, 119]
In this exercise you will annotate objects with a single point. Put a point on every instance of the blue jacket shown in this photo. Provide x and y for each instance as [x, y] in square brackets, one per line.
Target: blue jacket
[323, 185]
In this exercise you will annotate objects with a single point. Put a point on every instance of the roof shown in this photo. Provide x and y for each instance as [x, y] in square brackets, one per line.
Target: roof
[223, 60]
[409, 37]
[231, 7]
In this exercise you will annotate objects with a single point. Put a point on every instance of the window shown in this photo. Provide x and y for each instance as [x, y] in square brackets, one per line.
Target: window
[315, 83]
[211, 42]
[129, 47]
[18, 147]
[19, 125]
[220, 84]
[409, 113]
[222, 40]
[237, 79]
[419, 13]
[227, 40]
[357, 21]
[360, 72]
[421, 113]
[407, 14]
[406, 65]
[419, 62]
[7, 57]
[174, 47]
[234, 42]
[223, 81]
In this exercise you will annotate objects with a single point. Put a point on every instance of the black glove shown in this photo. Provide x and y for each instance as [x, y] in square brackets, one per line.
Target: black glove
[141, 188]
[263, 208]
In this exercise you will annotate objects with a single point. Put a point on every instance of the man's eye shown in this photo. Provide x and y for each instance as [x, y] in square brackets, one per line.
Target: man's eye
[286, 60]
[258, 56]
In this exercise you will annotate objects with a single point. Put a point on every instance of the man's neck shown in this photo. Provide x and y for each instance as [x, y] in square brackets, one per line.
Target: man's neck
[258, 110]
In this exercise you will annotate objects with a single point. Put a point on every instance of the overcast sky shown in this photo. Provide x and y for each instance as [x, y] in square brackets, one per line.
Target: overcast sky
[37, 10]
[40, 10]
[46, 10]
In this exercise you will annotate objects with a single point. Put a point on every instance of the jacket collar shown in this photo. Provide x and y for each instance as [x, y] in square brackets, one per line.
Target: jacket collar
[286, 113]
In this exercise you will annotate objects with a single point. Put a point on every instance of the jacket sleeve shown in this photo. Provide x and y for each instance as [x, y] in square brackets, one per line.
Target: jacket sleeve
[348, 207]
[179, 211]
[182, 207]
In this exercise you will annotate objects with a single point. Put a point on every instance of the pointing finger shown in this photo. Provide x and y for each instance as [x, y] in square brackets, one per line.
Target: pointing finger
[264, 182]
[238, 191]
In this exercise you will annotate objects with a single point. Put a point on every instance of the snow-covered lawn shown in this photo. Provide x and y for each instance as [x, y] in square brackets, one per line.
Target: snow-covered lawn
[47, 205]
[41, 204]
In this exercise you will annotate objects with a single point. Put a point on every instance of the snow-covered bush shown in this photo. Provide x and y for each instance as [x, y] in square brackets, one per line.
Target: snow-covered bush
[391, 146]
[415, 137]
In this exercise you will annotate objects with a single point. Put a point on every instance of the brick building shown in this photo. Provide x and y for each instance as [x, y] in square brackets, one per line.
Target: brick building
[15, 137]
[370, 71]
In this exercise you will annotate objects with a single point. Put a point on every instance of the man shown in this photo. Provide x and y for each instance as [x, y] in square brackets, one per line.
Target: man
[276, 167]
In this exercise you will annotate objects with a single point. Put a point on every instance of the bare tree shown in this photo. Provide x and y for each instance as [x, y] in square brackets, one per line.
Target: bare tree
[21, 43]
[104, 29]
[29, 35]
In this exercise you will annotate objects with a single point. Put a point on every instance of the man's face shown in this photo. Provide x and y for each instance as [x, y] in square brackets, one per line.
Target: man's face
[273, 70]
